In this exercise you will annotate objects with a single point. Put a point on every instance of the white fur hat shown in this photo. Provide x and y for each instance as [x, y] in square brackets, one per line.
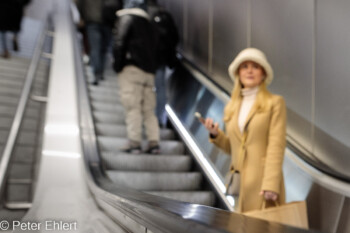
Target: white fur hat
[251, 54]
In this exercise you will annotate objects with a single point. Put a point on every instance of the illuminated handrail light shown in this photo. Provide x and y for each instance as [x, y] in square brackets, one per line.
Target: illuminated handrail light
[196, 150]
[191, 213]
[62, 129]
[54, 153]
[231, 200]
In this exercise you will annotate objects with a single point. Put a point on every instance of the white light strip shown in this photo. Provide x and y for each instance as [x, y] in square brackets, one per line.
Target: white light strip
[231, 200]
[196, 150]
[62, 129]
[55, 153]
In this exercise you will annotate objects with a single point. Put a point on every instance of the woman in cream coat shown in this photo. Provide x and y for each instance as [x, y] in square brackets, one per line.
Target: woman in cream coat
[255, 135]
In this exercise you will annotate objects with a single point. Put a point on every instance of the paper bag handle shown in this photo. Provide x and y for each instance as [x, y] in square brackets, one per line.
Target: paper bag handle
[264, 204]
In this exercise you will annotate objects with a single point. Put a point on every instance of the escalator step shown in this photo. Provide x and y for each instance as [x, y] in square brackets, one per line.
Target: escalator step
[96, 96]
[113, 130]
[157, 181]
[196, 197]
[107, 92]
[129, 162]
[117, 144]
[107, 107]
[18, 192]
[109, 118]
[10, 111]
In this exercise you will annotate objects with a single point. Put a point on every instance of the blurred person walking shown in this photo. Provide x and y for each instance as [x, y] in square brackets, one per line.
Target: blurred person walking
[255, 136]
[135, 64]
[11, 14]
[167, 38]
[131, 3]
[98, 17]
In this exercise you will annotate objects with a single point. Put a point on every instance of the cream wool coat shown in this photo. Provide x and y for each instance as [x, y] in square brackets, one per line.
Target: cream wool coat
[264, 152]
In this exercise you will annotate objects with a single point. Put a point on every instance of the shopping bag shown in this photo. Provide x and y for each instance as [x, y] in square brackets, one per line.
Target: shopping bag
[293, 214]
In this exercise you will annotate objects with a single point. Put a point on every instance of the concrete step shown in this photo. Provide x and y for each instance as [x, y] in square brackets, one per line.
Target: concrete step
[114, 130]
[129, 162]
[196, 197]
[157, 181]
[117, 144]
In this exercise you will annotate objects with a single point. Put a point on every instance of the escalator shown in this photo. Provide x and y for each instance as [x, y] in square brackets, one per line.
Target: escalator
[23, 81]
[170, 174]
[99, 199]
[182, 194]
[25, 154]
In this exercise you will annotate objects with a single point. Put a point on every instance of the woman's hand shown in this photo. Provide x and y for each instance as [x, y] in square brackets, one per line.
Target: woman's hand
[269, 195]
[212, 127]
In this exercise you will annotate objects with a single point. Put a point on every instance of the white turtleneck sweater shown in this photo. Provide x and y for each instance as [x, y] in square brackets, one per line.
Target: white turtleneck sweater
[249, 96]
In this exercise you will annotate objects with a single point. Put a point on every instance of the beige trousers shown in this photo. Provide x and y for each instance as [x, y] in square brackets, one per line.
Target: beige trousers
[137, 94]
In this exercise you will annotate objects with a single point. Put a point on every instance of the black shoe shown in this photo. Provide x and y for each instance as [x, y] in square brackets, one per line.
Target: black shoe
[154, 150]
[132, 150]
[95, 83]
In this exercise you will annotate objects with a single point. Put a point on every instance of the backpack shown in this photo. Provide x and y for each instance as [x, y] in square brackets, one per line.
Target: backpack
[109, 9]
[167, 37]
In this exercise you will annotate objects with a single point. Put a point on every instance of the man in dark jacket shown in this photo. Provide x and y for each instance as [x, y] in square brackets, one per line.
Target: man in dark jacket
[99, 30]
[168, 38]
[135, 63]
[11, 14]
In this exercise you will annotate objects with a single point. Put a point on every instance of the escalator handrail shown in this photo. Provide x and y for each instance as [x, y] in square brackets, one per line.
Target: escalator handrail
[18, 118]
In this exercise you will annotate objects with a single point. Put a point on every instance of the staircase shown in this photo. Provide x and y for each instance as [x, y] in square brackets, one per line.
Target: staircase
[169, 174]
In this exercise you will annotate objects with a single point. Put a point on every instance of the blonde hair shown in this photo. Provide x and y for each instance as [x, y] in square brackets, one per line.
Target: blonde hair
[262, 99]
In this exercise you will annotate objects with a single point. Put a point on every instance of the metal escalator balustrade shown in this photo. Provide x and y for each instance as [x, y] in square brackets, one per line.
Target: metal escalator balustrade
[169, 174]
